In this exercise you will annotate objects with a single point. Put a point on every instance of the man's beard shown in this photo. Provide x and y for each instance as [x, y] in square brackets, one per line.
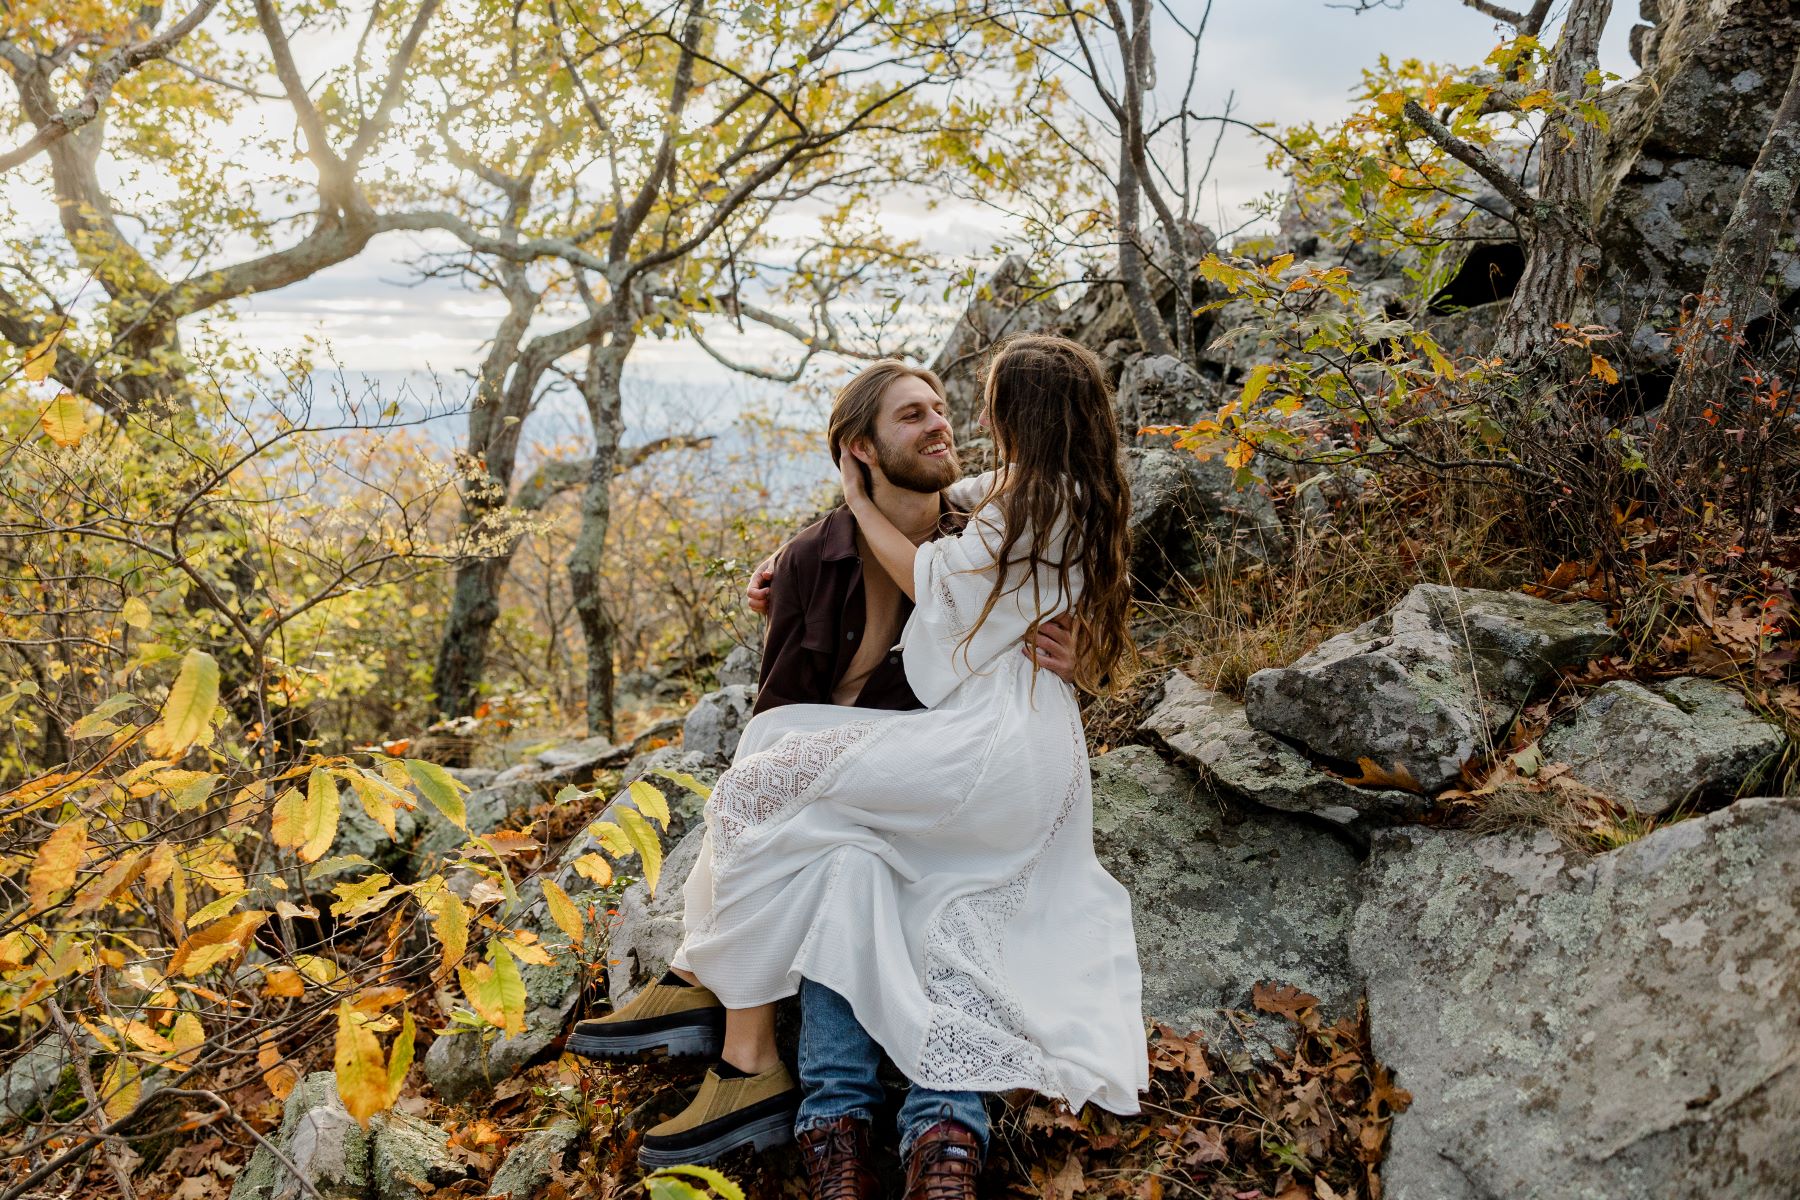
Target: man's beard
[907, 469]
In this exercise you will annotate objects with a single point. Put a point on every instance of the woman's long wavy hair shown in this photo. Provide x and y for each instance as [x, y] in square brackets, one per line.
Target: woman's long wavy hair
[1051, 414]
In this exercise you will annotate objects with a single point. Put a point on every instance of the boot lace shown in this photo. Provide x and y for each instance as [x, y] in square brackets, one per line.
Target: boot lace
[833, 1159]
[943, 1171]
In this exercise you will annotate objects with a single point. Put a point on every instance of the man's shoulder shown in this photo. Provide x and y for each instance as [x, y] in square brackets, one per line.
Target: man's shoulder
[831, 536]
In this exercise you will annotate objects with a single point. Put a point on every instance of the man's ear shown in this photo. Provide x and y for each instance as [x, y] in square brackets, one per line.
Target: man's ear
[860, 450]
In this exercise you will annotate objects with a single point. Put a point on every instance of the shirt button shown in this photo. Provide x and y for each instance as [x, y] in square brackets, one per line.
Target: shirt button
[851, 636]
[892, 659]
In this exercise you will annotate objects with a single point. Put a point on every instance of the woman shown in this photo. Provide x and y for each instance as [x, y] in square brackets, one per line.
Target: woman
[936, 868]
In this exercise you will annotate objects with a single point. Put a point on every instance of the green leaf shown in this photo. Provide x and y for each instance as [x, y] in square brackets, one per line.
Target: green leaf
[188, 710]
[99, 721]
[683, 779]
[720, 1184]
[663, 1187]
[441, 789]
[1253, 387]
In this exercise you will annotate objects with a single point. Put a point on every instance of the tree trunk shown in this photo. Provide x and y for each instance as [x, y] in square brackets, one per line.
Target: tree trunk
[1562, 257]
[1734, 284]
[495, 423]
[600, 388]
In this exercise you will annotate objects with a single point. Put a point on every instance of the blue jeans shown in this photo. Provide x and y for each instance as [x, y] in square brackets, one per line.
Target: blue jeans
[838, 1062]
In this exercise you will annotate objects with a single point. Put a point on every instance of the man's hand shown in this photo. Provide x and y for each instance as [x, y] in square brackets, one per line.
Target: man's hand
[756, 595]
[1054, 649]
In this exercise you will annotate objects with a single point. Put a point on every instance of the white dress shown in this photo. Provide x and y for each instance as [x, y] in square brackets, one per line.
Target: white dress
[934, 867]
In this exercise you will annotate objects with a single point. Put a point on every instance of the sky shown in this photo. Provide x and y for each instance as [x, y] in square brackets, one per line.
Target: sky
[1284, 61]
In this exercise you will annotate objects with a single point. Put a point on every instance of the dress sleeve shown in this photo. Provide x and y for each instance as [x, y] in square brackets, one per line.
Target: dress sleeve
[965, 494]
[952, 579]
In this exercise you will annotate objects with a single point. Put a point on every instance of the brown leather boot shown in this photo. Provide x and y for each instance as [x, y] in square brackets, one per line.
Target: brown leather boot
[944, 1163]
[839, 1165]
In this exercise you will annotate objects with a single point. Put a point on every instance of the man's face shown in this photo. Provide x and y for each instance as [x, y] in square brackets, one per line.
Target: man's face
[912, 438]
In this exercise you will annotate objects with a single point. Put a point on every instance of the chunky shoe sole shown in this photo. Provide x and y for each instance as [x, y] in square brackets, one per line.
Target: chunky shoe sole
[763, 1134]
[688, 1040]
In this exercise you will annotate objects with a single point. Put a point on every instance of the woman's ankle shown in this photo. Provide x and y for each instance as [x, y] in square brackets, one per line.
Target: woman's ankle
[752, 1062]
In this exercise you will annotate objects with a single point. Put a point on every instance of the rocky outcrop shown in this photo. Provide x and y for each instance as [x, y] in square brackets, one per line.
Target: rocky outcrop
[1620, 1026]
[1427, 685]
[1223, 900]
[1653, 747]
[714, 725]
[409, 1158]
[742, 666]
[1211, 734]
[1162, 390]
[32, 1077]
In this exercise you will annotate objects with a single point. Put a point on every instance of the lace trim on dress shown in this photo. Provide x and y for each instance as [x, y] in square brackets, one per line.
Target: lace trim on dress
[752, 795]
[976, 1039]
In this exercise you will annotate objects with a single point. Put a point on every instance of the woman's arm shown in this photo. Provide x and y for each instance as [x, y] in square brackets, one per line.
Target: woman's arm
[893, 549]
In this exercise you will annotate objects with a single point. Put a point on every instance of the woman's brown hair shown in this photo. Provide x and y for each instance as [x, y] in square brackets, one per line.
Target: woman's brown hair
[1051, 414]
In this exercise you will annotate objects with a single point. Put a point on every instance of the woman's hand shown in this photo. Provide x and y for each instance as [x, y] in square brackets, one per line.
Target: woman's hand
[756, 594]
[855, 480]
[1054, 648]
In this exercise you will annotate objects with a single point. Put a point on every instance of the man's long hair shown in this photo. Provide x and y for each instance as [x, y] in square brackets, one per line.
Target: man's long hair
[858, 403]
[1051, 413]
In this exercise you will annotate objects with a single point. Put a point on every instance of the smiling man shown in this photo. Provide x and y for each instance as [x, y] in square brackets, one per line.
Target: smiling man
[834, 618]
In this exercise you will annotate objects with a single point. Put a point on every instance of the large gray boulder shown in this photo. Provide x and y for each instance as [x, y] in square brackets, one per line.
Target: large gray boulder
[1157, 389]
[716, 722]
[409, 1158]
[322, 1140]
[1211, 734]
[1427, 685]
[650, 927]
[743, 665]
[33, 1077]
[1223, 900]
[1602, 1028]
[1186, 513]
[1652, 747]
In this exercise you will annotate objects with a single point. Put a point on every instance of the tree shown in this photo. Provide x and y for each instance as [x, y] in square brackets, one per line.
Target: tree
[1734, 289]
[140, 104]
[671, 143]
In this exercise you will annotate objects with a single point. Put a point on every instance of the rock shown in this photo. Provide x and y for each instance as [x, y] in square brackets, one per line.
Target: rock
[410, 1157]
[1161, 390]
[475, 777]
[1222, 900]
[1650, 748]
[715, 723]
[1615, 1026]
[531, 1164]
[649, 928]
[1211, 734]
[321, 1139]
[742, 666]
[1007, 303]
[1427, 685]
[33, 1077]
[1185, 513]
[463, 1065]
[574, 755]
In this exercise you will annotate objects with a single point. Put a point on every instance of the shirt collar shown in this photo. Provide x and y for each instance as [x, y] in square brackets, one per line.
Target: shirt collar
[838, 540]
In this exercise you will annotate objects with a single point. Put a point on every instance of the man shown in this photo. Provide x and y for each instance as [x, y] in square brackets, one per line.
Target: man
[832, 629]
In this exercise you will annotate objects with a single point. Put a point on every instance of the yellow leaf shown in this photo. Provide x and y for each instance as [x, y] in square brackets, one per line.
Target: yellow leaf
[160, 864]
[217, 908]
[683, 779]
[1239, 455]
[135, 612]
[41, 358]
[563, 912]
[1253, 387]
[614, 840]
[279, 1076]
[377, 799]
[362, 1076]
[372, 1001]
[65, 421]
[440, 788]
[187, 1037]
[646, 843]
[57, 862]
[279, 982]
[119, 1088]
[307, 822]
[527, 952]
[592, 867]
[362, 896]
[221, 940]
[650, 801]
[1602, 369]
[450, 920]
[187, 711]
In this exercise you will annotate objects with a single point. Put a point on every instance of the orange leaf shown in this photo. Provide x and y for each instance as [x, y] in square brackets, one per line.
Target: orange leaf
[1375, 775]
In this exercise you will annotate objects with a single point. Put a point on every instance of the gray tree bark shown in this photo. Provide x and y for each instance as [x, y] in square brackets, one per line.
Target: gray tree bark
[1562, 257]
[1734, 285]
[600, 388]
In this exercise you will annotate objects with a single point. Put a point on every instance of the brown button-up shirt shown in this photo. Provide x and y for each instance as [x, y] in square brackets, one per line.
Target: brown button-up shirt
[817, 616]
